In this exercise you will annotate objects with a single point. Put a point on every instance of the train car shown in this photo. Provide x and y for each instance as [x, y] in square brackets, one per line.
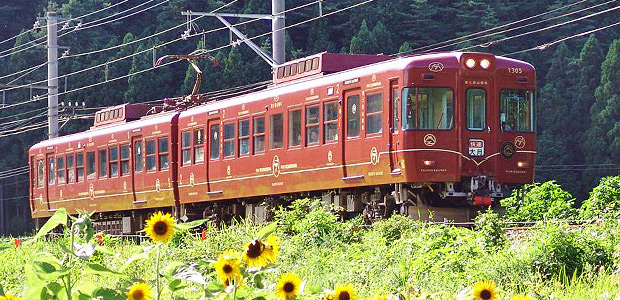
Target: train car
[372, 134]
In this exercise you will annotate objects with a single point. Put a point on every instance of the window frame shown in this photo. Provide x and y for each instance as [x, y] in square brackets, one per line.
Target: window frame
[258, 135]
[292, 128]
[79, 166]
[273, 143]
[125, 160]
[312, 127]
[138, 156]
[186, 148]
[373, 114]
[330, 122]
[214, 141]
[51, 170]
[71, 173]
[102, 163]
[40, 173]
[196, 145]
[532, 107]
[357, 115]
[60, 170]
[468, 105]
[152, 155]
[163, 153]
[416, 116]
[243, 139]
[229, 139]
[114, 162]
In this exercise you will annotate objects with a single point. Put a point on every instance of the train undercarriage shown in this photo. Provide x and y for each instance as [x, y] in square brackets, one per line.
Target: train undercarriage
[436, 202]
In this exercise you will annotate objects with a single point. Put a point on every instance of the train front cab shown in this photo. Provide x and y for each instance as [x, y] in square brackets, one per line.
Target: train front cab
[468, 128]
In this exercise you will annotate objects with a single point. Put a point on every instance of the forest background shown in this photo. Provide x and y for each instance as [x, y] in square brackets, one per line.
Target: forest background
[578, 100]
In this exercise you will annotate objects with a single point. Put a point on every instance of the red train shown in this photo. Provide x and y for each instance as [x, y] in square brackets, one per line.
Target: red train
[367, 132]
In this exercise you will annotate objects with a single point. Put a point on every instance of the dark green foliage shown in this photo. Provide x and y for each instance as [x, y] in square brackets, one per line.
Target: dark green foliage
[544, 201]
[604, 201]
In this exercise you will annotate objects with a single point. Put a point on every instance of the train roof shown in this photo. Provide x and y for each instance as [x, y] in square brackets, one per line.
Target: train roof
[160, 118]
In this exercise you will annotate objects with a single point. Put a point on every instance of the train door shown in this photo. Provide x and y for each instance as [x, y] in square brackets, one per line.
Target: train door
[477, 142]
[352, 134]
[394, 124]
[50, 182]
[214, 153]
[137, 167]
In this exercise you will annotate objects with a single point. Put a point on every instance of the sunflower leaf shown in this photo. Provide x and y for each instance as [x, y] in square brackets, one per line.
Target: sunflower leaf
[189, 225]
[176, 284]
[267, 230]
[171, 269]
[100, 270]
[105, 293]
[1, 290]
[58, 218]
[258, 281]
[313, 290]
[133, 258]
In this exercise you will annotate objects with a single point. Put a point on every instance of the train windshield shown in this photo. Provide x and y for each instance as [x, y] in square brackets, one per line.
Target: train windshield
[428, 108]
[517, 110]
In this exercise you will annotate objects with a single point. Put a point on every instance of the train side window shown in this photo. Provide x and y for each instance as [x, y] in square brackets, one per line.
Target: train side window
[294, 69]
[330, 121]
[103, 163]
[244, 137]
[163, 154]
[79, 167]
[395, 104]
[51, 173]
[199, 148]
[70, 169]
[294, 128]
[40, 173]
[124, 160]
[113, 151]
[60, 162]
[276, 131]
[517, 110]
[315, 63]
[90, 165]
[353, 116]
[229, 139]
[374, 111]
[214, 141]
[137, 162]
[186, 148]
[312, 125]
[308, 64]
[259, 134]
[151, 156]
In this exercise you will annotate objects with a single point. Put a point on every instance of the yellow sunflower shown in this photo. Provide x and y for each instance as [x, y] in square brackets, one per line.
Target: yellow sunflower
[288, 286]
[384, 297]
[139, 291]
[521, 297]
[228, 266]
[160, 227]
[484, 290]
[328, 296]
[9, 297]
[344, 292]
[272, 248]
[255, 254]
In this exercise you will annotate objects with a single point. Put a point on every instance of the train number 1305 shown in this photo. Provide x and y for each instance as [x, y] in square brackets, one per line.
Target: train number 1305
[515, 70]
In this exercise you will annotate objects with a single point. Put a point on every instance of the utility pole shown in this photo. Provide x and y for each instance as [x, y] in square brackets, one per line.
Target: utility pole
[277, 25]
[52, 74]
[277, 30]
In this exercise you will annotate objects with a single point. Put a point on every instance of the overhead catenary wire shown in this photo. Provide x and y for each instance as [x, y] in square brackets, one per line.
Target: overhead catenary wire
[543, 29]
[9, 53]
[71, 19]
[491, 29]
[162, 45]
[520, 27]
[29, 70]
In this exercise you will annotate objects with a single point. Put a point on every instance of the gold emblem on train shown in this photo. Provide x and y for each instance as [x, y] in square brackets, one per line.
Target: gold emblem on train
[520, 142]
[330, 156]
[228, 170]
[430, 140]
[91, 191]
[191, 179]
[275, 166]
[157, 185]
[374, 156]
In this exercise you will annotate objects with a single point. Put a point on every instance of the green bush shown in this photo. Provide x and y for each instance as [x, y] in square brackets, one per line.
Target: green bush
[395, 227]
[544, 201]
[491, 226]
[604, 201]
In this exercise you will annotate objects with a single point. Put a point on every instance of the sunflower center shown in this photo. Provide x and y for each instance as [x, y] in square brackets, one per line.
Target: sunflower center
[255, 249]
[160, 228]
[138, 295]
[344, 296]
[485, 294]
[289, 287]
[227, 269]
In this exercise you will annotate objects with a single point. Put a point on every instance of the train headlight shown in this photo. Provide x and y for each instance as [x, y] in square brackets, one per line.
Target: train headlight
[522, 164]
[470, 63]
[428, 163]
[485, 63]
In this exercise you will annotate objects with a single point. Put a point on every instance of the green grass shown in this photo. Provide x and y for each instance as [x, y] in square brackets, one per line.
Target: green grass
[395, 256]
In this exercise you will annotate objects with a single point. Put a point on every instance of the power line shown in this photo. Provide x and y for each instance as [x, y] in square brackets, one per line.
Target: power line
[72, 19]
[162, 45]
[25, 70]
[543, 29]
[491, 29]
[547, 45]
[24, 113]
[520, 27]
